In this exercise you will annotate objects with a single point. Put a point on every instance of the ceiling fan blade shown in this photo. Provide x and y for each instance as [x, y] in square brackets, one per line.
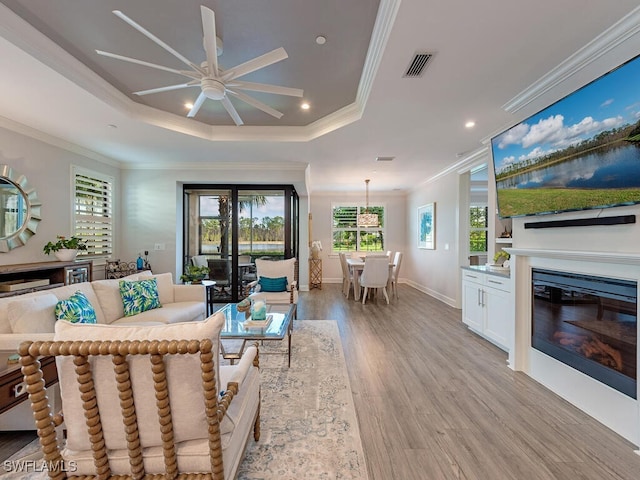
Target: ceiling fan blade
[186, 73]
[263, 87]
[255, 64]
[156, 40]
[196, 105]
[256, 103]
[228, 106]
[210, 47]
[195, 83]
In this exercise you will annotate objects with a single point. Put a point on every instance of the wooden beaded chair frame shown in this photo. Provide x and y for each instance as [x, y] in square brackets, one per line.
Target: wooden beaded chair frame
[46, 422]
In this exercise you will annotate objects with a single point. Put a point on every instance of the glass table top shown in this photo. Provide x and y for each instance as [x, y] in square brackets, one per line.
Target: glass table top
[234, 326]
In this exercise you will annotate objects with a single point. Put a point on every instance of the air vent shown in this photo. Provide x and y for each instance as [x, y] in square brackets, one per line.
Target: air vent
[418, 64]
[384, 159]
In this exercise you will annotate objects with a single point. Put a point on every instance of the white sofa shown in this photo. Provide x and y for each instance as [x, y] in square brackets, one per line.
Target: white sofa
[23, 318]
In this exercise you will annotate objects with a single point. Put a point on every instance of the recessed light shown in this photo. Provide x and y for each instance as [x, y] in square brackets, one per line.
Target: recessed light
[188, 105]
[111, 125]
[305, 106]
[321, 40]
[470, 124]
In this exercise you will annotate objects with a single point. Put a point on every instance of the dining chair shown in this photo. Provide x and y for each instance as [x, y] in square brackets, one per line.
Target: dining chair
[375, 275]
[395, 272]
[347, 275]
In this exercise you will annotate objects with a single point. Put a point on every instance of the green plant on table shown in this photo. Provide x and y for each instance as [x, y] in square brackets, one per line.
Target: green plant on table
[194, 273]
[72, 243]
[500, 257]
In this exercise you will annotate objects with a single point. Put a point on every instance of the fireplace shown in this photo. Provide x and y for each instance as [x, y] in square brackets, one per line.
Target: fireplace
[589, 323]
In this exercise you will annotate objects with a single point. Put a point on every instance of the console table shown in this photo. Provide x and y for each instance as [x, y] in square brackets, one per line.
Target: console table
[42, 276]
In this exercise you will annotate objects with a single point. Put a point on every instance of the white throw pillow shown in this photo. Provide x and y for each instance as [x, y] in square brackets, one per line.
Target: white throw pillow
[165, 286]
[183, 375]
[108, 293]
[33, 315]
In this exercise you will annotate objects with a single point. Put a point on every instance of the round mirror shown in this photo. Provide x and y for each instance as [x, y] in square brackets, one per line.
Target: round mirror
[19, 210]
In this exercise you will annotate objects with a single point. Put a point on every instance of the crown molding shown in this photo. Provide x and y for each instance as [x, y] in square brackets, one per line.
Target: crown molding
[611, 38]
[56, 142]
[24, 36]
[459, 167]
[219, 166]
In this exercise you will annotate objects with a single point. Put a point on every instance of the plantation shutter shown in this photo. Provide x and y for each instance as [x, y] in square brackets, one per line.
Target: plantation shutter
[93, 212]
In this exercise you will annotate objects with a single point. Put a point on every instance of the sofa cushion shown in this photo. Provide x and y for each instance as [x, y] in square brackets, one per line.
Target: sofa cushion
[33, 315]
[139, 296]
[188, 416]
[62, 293]
[165, 286]
[171, 313]
[108, 293]
[268, 284]
[75, 309]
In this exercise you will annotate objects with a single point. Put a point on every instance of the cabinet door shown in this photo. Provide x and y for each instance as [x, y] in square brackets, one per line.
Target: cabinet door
[472, 308]
[498, 316]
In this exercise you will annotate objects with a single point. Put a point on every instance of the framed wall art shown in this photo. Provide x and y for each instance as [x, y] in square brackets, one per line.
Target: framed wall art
[427, 226]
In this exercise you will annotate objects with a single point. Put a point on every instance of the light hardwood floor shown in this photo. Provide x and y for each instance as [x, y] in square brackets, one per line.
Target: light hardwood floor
[435, 401]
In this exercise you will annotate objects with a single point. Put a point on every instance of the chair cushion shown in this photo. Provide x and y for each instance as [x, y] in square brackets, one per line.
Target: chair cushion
[33, 315]
[139, 296]
[76, 309]
[268, 284]
[183, 375]
[277, 268]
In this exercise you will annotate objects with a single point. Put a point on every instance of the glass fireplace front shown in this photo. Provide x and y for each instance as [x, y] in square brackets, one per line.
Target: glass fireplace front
[589, 323]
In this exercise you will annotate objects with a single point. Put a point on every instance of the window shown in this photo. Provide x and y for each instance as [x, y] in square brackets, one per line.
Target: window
[93, 211]
[478, 217]
[348, 236]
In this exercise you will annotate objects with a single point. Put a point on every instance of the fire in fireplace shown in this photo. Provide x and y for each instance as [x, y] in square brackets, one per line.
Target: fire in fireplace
[589, 323]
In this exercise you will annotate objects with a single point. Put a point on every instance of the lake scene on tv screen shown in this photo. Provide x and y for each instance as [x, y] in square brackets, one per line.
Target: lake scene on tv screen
[582, 152]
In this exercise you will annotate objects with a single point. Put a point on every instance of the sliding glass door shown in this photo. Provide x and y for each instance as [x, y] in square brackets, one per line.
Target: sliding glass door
[232, 225]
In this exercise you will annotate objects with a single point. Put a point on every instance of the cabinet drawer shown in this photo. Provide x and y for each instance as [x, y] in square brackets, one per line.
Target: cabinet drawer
[499, 283]
[473, 277]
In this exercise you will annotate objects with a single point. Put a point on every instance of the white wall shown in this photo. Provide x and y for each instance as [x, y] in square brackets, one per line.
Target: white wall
[48, 170]
[435, 272]
[396, 226]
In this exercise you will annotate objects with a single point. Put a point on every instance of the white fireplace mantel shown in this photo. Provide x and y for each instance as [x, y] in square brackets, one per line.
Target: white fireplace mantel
[619, 412]
[580, 256]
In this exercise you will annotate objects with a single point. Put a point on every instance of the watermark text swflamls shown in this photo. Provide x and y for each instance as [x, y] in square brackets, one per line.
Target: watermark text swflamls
[33, 466]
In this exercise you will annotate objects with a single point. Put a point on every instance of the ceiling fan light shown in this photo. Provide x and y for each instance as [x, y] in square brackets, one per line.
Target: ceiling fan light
[212, 89]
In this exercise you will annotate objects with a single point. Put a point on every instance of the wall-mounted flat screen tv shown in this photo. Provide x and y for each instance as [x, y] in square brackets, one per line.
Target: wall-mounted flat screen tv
[582, 152]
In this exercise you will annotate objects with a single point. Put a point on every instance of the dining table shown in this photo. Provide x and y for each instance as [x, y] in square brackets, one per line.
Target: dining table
[356, 265]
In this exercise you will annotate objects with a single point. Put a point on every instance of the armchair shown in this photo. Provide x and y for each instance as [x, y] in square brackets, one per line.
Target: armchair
[112, 377]
[273, 269]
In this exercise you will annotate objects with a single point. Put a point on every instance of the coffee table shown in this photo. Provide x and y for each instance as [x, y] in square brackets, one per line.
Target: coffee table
[281, 325]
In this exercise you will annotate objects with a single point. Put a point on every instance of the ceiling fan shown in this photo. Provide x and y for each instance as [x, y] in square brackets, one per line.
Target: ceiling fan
[214, 82]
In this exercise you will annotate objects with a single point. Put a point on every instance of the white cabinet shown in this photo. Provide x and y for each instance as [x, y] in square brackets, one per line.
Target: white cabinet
[487, 306]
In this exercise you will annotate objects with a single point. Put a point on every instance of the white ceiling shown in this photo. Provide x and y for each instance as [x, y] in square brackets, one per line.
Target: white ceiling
[485, 54]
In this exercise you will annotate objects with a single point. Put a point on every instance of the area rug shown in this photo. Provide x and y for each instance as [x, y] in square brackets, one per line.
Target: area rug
[309, 427]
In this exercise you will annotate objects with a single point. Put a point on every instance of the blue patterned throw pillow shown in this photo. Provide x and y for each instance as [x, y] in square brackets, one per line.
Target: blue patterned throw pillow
[139, 296]
[273, 284]
[76, 309]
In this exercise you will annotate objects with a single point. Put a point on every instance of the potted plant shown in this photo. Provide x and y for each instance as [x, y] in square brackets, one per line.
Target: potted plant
[65, 249]
[194, 274]
[500, 257]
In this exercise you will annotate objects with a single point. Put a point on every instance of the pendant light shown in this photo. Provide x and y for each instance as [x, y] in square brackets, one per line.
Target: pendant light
[367, 219]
